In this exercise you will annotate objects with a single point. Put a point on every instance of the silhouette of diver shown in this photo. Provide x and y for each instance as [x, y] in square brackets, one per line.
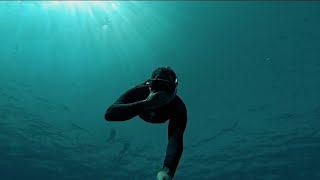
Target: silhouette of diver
[155, 101]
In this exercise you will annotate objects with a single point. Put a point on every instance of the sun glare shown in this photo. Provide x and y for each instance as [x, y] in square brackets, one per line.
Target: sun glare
[80, 5]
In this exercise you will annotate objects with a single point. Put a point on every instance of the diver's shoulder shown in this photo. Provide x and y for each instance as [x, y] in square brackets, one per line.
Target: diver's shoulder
[179, 102]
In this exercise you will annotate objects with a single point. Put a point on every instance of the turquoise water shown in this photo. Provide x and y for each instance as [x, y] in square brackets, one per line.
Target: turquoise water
[249, 74]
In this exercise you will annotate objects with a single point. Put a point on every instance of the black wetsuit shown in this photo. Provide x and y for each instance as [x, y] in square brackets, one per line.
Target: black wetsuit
[127, 107]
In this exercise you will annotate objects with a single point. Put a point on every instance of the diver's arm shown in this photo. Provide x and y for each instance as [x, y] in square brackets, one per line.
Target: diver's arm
[122, 112]
[127, 106]
[174, 151]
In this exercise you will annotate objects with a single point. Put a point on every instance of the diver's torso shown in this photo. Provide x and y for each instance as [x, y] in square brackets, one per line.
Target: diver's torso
[159, 115]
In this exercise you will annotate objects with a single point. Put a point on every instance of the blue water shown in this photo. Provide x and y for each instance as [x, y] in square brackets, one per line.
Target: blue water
[249, 75]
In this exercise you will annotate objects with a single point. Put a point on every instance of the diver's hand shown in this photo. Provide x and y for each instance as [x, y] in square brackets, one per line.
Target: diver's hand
[162, 175]
[157, 99]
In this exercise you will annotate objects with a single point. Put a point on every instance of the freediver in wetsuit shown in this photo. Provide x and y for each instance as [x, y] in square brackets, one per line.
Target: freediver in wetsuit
[155, 101]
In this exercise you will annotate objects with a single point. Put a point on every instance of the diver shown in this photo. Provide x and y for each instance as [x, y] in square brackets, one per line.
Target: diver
[156, 101]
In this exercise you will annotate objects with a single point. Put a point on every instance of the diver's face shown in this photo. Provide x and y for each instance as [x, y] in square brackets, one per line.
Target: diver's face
[163, 83]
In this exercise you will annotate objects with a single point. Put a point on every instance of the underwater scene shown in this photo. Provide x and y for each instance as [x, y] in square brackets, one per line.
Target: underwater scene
[248, 73]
